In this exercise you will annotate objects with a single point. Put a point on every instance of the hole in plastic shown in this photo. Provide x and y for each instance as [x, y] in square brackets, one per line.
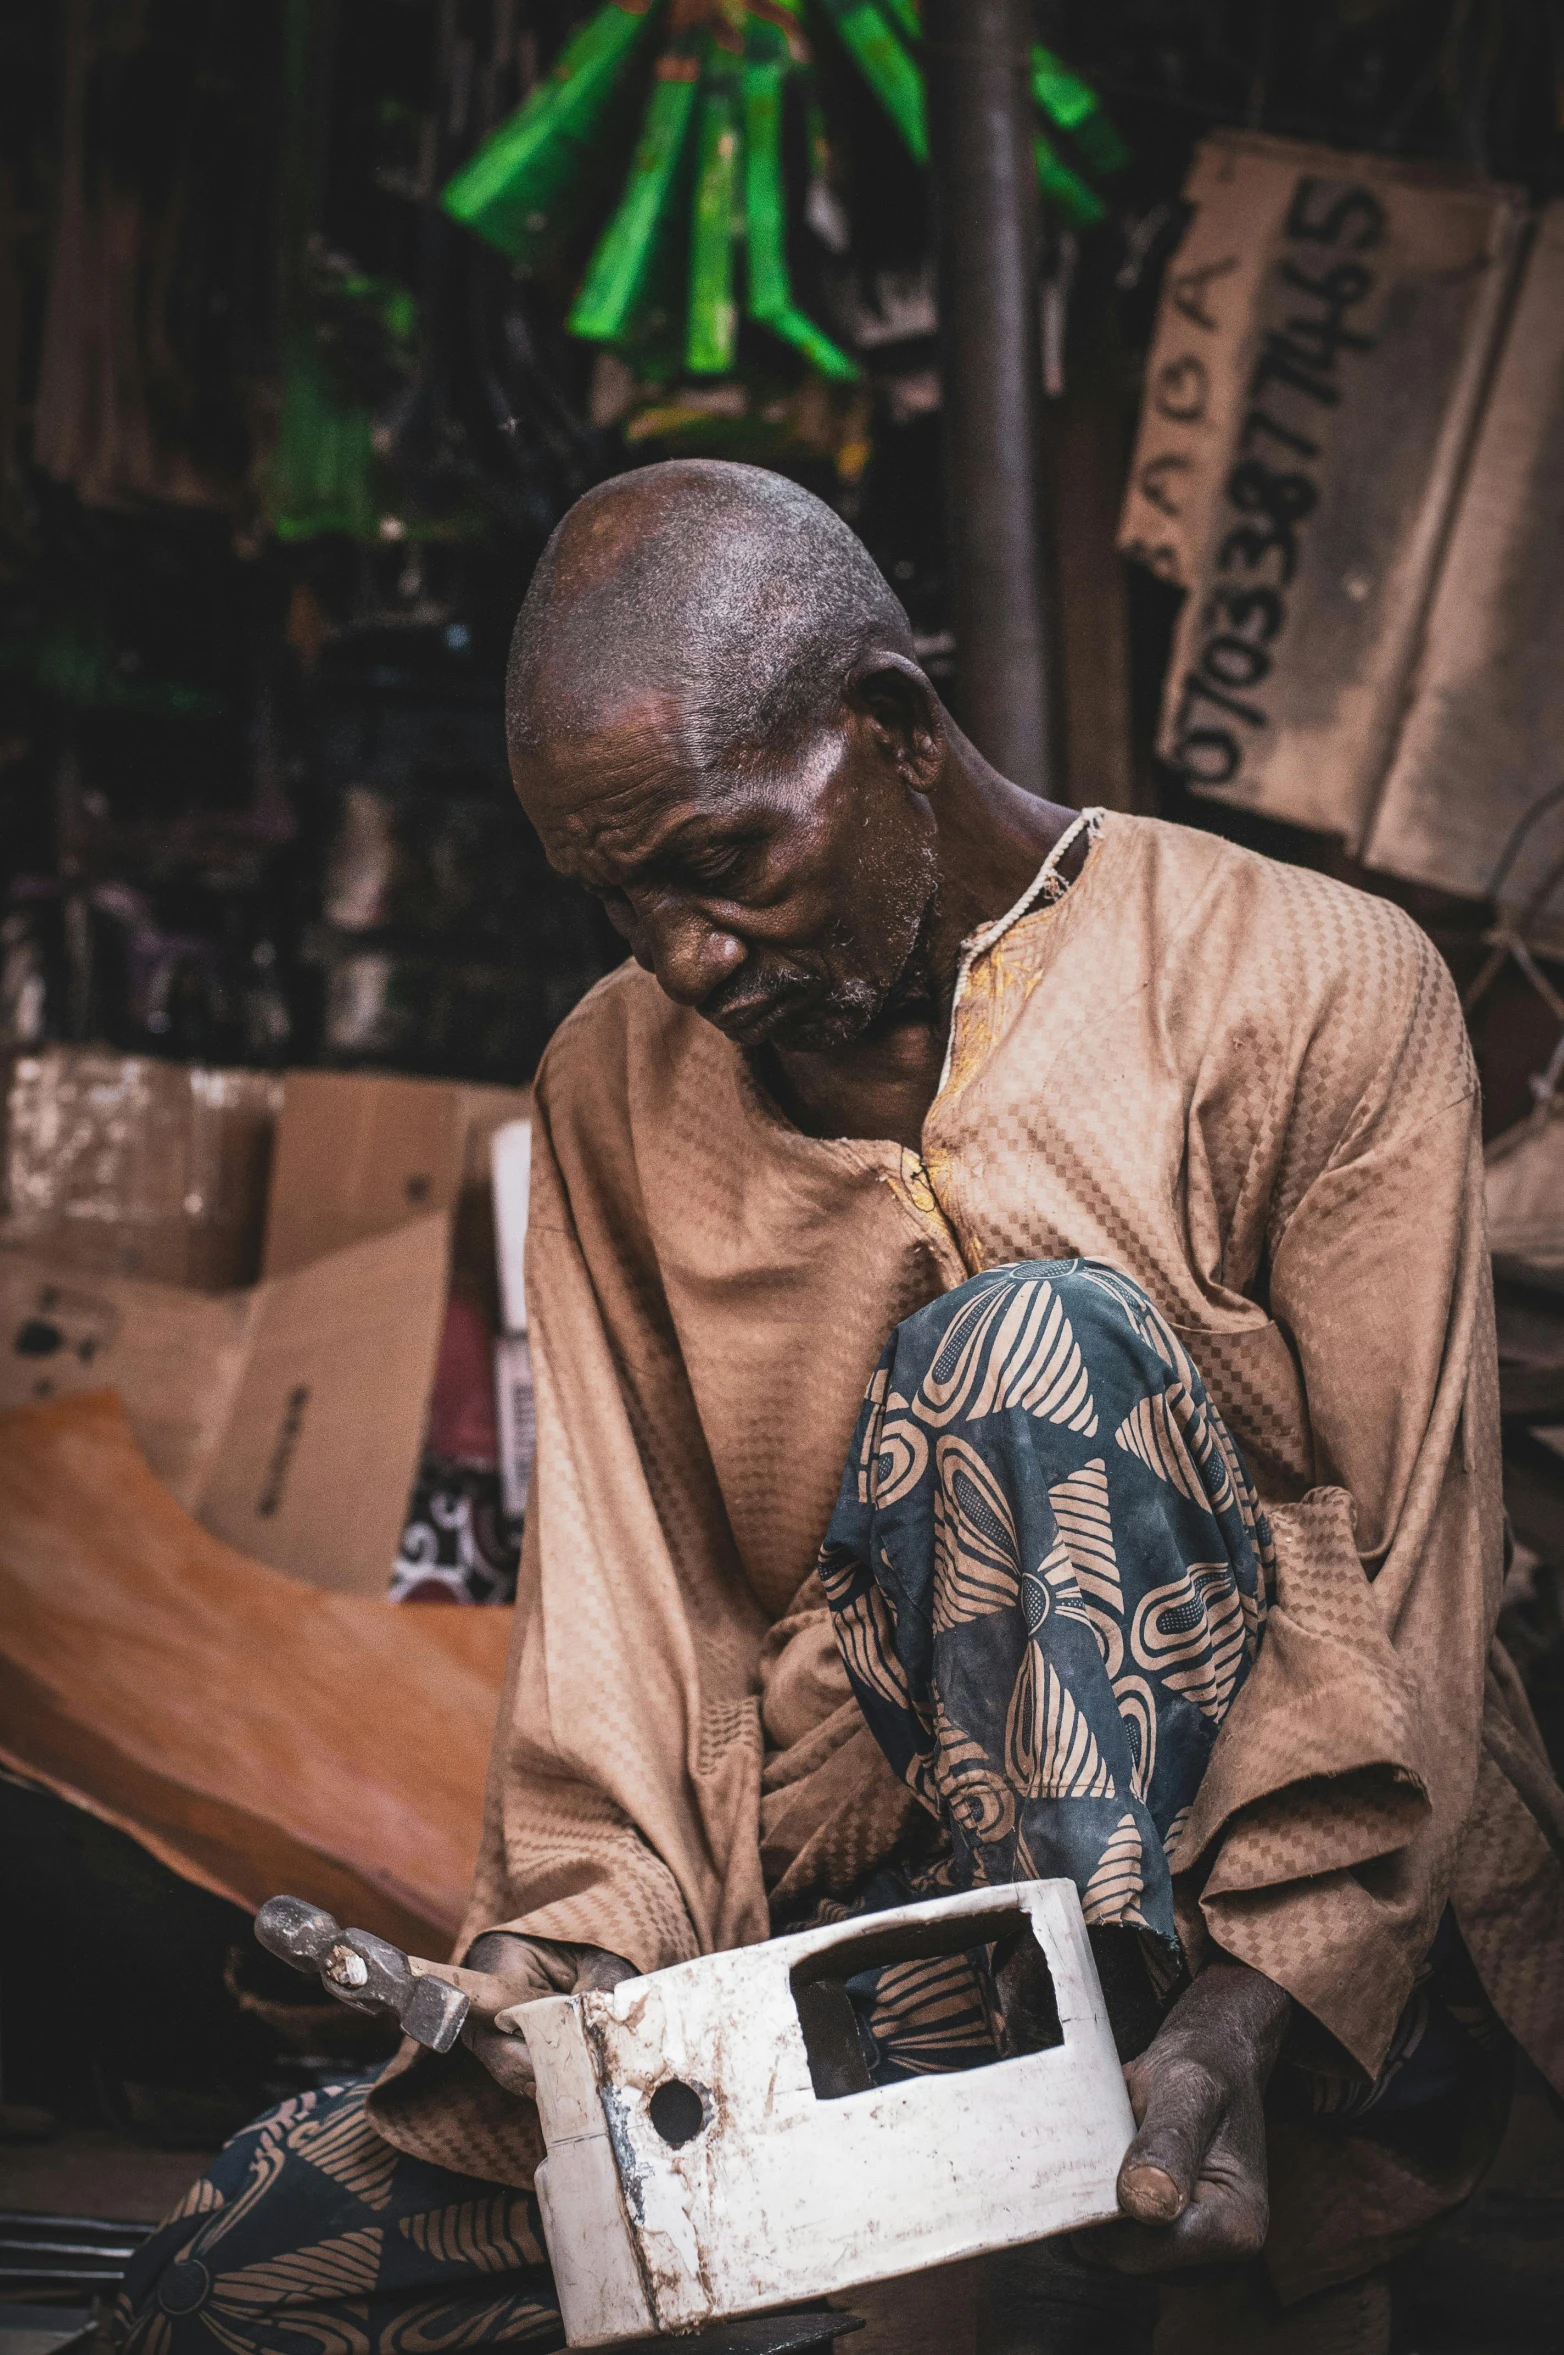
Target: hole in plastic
[677, 2111]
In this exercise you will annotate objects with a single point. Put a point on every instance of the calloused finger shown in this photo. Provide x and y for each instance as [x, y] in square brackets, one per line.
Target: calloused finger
[1183, 2108]
[1223, 2225]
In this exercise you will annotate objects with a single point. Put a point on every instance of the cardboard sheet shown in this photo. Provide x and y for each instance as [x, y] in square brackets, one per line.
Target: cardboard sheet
[255, 1734]
[1325, 338]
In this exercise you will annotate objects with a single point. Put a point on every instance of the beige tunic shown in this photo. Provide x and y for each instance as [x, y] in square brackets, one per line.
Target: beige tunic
[1250, 1088]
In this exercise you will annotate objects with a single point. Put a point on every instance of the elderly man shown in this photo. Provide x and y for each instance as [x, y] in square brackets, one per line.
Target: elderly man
[1016, 1395]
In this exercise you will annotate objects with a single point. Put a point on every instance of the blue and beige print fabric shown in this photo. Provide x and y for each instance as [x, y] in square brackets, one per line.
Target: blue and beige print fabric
[309, 2235]
[1048, 1573]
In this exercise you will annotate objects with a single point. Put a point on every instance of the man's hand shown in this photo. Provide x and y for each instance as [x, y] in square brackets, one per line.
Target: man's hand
[1193, 2182]
[502, 1972]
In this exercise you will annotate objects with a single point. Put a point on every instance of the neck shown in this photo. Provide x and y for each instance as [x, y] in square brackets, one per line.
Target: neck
[993, 837]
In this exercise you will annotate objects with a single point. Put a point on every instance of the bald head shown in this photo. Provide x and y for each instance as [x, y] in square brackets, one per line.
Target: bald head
[736, 599]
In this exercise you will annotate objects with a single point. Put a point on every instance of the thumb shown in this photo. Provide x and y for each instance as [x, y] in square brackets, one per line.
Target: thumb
[503, 2052]
[1180, 2107]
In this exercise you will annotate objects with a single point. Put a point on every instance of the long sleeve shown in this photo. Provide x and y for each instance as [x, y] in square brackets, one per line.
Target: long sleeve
[1328, 1829]
[623, 1787]
[685, 1256]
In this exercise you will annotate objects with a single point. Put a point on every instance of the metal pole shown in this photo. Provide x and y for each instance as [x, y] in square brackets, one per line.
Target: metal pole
[986, 229]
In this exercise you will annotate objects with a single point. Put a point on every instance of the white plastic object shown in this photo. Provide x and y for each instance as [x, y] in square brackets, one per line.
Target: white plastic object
[694, 2175]
[510, 1160]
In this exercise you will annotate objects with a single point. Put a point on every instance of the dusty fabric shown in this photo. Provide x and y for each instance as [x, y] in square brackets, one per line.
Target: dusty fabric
[309, 2235]
[256, 1734]
[1248, 1088]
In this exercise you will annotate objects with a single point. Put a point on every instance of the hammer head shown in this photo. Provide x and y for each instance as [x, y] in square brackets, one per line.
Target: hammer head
[360, 1969]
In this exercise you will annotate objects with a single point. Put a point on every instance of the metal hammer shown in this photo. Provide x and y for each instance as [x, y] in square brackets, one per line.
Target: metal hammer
[362, 1970]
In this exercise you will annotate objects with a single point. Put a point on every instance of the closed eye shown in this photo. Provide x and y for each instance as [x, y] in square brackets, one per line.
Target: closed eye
[714, 871]
[722, 864]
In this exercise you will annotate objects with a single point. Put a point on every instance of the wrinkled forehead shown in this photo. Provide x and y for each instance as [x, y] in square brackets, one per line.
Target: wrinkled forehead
[603, 791]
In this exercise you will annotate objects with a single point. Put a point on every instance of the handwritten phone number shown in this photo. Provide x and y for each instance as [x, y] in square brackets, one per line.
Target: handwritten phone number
[1272, 495]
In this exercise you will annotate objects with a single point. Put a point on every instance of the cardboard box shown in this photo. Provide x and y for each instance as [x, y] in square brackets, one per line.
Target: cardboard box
[359, 1156]
[122, 1165]
[319, 1449]
[289, 1415]
[287, 1418]
[174, 1355]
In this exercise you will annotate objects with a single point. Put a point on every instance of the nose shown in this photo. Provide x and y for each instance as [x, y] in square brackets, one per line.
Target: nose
[689, 954]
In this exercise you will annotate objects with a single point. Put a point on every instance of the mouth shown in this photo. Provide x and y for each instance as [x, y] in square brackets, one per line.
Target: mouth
[749, 1020]
[752, 1021]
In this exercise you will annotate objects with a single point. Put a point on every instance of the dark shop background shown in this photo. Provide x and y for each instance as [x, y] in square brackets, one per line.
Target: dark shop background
[282, 433]
[282, 441]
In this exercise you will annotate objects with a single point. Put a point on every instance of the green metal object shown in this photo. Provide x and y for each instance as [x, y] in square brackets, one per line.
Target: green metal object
[886, 67]
[513, 189]
[708, 166]
[712, 339]
[770, 287]
[322, 472]
[1075, 106]
[618, 268]
[1083, 206]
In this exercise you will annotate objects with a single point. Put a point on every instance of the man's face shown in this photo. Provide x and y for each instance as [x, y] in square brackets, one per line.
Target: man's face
[785, 905]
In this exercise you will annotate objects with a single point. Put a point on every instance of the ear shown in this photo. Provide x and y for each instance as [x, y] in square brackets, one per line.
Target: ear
[895, 703]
